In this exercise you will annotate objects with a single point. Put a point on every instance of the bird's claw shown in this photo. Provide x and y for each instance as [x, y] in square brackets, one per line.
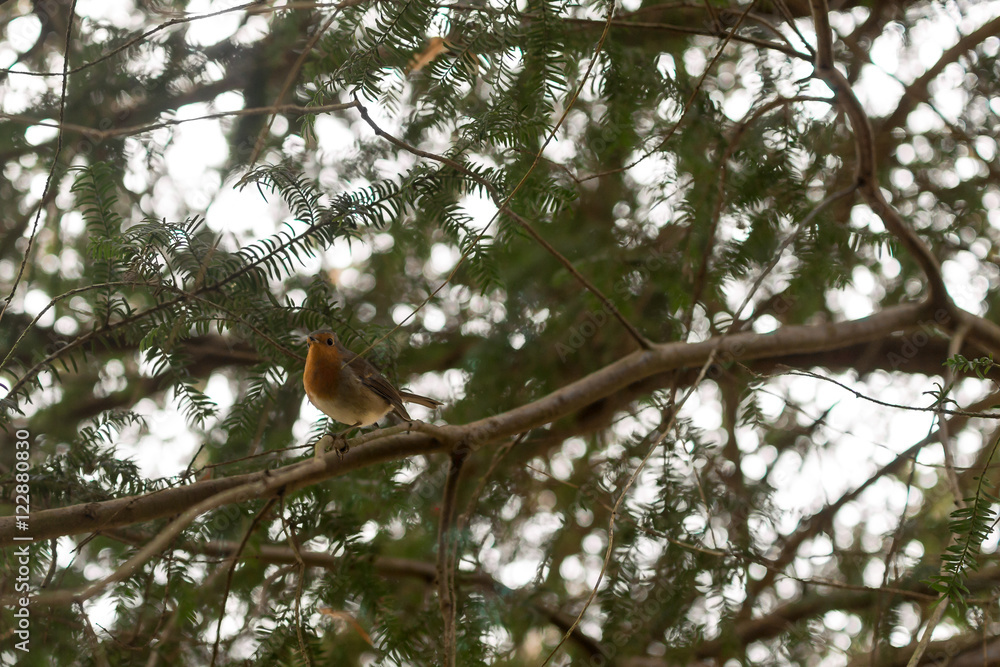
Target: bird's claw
[343, 447]
[339, 442]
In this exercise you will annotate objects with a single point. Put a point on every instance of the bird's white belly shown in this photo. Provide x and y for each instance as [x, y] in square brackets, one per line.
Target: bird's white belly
[361, 414]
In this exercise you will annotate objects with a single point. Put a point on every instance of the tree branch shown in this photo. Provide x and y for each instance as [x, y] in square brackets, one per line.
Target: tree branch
[747, 346]
[813, 525]
[916, 92]
[865, 174]
[448, 546]
[100, 135]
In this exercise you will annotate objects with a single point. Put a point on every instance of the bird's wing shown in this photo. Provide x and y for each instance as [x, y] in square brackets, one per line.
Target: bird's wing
[383, 388]
[374, 380]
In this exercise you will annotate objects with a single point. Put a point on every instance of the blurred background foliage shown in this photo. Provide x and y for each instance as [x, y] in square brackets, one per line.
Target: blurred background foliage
[162, 271]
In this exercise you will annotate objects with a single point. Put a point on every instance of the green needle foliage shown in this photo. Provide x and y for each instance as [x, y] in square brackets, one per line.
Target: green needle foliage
[761, 468]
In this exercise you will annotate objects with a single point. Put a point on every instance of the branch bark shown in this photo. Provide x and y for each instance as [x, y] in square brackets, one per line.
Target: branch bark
[865, 171]
[380, 447]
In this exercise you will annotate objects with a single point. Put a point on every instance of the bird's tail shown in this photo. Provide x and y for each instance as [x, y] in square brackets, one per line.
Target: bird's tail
[419, 400]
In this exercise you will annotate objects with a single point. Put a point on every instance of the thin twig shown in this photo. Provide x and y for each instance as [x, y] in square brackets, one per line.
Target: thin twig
[138, 39]
[448, 547]
[502, 204]
[290, 79]
[898, 406]
[946, 567]
[790, 19]
[97, 651]
[101, 135]
[806, 221]
[918, 652]
[954, 346]
[53, 548]
[686, 30]
[232, 570]
[463, 520]
[687, 106]
[293, 543]
[713, 15]
[887, 568]
[164, 636]
[55, 159]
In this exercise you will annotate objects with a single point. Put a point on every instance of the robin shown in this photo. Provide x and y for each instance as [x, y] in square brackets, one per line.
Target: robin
[348, 388]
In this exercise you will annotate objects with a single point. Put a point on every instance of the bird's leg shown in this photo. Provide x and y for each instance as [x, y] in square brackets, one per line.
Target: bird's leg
[342, 435]
[339, 435]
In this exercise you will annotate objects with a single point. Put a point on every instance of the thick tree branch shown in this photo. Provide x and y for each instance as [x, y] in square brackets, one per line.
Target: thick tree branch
[378, 448]
[816, 604]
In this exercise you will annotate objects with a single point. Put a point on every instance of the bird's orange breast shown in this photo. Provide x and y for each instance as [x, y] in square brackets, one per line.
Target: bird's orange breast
[320, 376]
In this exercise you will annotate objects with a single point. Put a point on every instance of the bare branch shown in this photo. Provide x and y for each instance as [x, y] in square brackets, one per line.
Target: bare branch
[945, 436]
[55, 159]
[448, 547]
[746, 346]
[865, 174]
[232, 570]
[916, 92]
[290, 79]
[918, 653]
[100, 135]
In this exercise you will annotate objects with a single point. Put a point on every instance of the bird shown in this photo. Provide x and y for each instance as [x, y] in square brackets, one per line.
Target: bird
[348, 388]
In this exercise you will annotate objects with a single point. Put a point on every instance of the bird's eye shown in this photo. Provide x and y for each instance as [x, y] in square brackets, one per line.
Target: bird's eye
[329, 341]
